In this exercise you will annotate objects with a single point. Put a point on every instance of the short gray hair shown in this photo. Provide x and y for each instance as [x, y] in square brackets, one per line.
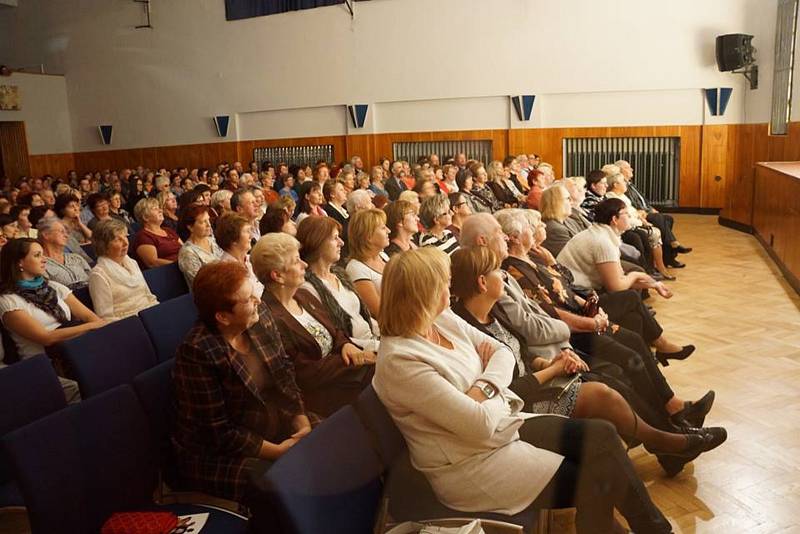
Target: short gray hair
[161, 180]
[613, 179]
[105, 232]
[271, 253]
[473, 228]
[218, 198]
[46, 224]
[431, 208]
[143, 207]
[512, 220]
[354, 198]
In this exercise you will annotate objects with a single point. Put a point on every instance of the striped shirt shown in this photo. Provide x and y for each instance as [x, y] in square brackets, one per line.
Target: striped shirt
[448, 243]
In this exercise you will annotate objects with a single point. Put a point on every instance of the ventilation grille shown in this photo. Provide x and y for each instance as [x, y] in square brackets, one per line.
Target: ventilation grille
[411, 152]
[293, 155]
[656, 162]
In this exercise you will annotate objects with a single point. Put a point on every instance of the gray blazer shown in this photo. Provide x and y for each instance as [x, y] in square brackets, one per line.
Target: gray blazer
[558, 234]
[545, 336]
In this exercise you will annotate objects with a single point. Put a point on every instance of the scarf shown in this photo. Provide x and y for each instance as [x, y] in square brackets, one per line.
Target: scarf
[39, 293]
[341, 319]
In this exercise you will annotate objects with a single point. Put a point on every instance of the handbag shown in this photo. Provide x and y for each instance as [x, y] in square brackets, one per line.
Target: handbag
[140, 523]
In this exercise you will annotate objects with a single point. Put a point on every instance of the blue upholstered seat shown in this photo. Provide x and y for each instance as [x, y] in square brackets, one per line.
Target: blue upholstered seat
[29, 390]
[167, 324]
[166, 282]
[109, 356]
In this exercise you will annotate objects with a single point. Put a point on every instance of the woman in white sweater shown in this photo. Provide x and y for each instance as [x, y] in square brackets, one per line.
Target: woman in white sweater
[116, 284]
[445, 384]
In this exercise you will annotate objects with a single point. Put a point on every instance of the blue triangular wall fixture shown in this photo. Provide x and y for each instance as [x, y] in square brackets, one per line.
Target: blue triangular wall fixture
[724, 98]
[717, 99]
[523, 105]
[105, 133]
[358, 114]
[221, 122]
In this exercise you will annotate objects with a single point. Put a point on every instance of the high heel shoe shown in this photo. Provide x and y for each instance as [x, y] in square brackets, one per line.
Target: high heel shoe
[696, 444]
[682, 354]
[668, 277]
[693, 413]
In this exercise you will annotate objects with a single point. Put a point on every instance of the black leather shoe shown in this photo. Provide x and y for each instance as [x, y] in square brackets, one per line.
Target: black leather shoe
[657, 276]
[675, 264]
[696, 444]
[682, 354]
[680, 249]
[694, 412]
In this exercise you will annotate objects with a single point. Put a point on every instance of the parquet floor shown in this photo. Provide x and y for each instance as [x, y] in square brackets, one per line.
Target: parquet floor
[733, 303]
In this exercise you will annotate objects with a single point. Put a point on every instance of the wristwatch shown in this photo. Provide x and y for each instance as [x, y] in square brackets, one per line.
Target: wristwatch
[486, 388]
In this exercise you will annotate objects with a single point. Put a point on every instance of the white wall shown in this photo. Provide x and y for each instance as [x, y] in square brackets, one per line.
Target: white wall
[615, 61]
[44, 110]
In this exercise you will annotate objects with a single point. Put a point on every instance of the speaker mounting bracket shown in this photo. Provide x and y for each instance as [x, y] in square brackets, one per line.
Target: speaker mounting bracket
[750, 72]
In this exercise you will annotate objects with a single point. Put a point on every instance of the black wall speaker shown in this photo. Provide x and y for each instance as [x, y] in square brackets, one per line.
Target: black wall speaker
[734, 51]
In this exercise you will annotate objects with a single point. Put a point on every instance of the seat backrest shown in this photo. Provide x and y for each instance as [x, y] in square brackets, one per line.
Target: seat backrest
[156, 394]
[88, 248]
[330, 481]
[386, 437]
[167, 324]
[166, 282]
[29, 390]
[79, 465]
[83, 295]
[109, 356]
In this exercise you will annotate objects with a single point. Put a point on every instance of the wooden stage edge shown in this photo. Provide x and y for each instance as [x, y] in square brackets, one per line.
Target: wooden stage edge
[775, 216]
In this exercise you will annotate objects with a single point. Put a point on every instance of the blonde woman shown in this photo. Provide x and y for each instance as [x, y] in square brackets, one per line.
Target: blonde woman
[368, 236]
[445, 384]
[500, 186]
[556, 208]
[153, 245]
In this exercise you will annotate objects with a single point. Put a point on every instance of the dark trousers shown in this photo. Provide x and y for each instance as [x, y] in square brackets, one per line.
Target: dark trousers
[664, 222]
[595, 476]
[641, 381]
[627, 310]
[637, 239]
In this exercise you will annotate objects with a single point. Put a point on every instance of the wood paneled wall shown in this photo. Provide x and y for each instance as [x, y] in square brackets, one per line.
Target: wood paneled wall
[14, 150]
[776, 216]
[707, 152]
[53, 164]
[751, 144]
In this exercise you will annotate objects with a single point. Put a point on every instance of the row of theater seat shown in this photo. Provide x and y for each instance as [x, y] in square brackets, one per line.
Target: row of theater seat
[103, 450]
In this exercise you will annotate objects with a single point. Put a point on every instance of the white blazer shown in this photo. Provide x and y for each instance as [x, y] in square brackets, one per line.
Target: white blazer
[469, 451]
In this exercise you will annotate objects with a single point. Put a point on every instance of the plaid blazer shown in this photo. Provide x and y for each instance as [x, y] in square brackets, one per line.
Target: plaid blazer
[327, 382]
[222, 416]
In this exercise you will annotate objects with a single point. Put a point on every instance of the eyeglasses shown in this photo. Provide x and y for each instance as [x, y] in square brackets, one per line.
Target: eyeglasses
[458, 205]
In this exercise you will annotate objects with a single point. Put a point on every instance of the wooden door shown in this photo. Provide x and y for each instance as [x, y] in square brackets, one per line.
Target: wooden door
[14, 150]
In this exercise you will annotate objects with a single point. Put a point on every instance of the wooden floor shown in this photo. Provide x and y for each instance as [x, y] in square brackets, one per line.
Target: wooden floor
[732, 302]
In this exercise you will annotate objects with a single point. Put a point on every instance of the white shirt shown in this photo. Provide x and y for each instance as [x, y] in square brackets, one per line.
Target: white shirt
[11, 302]
[363, 335]
[119, 290]
[597, 244]
[357, 271]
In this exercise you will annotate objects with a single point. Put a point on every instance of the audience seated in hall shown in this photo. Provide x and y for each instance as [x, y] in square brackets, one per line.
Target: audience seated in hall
[331, 370]
[544, 318]
[554, 386]
[238, 406]
[445, 384]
